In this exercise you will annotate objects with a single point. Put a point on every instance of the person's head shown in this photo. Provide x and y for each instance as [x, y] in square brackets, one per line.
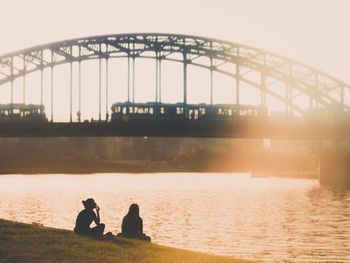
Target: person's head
[89, 203]
[134, 210]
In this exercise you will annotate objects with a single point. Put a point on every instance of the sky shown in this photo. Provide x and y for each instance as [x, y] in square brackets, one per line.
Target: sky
[315, 32]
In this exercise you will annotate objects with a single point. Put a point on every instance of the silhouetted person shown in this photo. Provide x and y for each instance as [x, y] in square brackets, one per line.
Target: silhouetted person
[132, 226]
[85, 218]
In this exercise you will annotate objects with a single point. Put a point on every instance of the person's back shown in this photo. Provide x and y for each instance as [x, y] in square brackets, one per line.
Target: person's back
[86, 217]
[84, 220]
[132, 226]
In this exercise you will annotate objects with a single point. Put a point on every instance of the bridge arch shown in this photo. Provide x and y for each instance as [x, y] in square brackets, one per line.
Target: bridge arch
[297, 79]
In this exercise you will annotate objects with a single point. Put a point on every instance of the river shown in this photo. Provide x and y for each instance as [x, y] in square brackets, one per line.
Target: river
[266, 219]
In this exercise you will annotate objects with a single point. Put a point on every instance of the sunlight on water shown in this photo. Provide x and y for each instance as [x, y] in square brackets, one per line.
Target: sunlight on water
[265, 219]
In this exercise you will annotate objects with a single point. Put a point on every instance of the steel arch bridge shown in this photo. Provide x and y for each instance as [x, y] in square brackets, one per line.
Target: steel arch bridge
[298, 79]
[272, 74]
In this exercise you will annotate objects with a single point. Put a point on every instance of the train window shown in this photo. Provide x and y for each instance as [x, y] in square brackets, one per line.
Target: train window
[230, 112]
[220, 112]
[179, 110]
[151, 110]
[146, 110]
[118, 109]
[131, 110]
[140, 111]
[124, 110]
[202, 111]
[135, 109]
[196, 114]
[162, 110]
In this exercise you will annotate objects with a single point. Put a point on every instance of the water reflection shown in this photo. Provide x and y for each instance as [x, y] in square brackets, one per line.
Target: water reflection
[265, 219]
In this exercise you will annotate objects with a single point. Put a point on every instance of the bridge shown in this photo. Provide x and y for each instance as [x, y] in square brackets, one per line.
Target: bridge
[325, 115]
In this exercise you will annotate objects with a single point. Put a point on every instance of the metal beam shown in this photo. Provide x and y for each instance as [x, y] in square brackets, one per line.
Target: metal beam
[24, 80]
[133, 79]
[79, 84]
[99, 89]
[129, 74]
[157, 77]
[211, 81]
[11, 88]
[52, 87]
[107, 80]
[160, 81]
[71, 92]
[41, 82]
[185, 77]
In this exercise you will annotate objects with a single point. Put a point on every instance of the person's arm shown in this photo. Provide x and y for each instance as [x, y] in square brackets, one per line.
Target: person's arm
[97, 218]
[140, 226]
[124, 227]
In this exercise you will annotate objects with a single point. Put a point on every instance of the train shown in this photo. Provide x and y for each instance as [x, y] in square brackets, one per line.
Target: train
[22, 112]
[128, 111]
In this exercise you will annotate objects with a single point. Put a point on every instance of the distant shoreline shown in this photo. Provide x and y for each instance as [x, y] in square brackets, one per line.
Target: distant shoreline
[70, 166]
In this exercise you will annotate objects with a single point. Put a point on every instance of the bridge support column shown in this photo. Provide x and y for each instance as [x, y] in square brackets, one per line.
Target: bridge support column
[157, 78]
[71, 93]
[237, 84]
[79, 84]
[211, 80]
[160, 81]
[334, 169]
[133, 79]
[11, 88]
[99, 87]
[129, 77]
[41, 82]
[24, 79]
[41, 90]
[185, 78]
[107, 80]
[52, 86]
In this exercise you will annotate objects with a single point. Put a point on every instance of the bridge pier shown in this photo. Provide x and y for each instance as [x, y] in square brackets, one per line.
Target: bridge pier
[334, 169]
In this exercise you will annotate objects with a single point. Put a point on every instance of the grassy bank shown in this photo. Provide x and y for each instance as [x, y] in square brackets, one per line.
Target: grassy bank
[28, 243]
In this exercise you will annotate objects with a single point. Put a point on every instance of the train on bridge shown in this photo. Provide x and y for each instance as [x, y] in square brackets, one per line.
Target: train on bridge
[22, 112]
[127, 111]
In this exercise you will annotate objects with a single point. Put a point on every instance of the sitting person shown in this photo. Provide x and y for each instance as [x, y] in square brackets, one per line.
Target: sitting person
[85, 218]
[132, 226]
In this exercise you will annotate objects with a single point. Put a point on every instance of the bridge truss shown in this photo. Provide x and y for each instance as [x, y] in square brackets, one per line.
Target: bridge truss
[274, 75]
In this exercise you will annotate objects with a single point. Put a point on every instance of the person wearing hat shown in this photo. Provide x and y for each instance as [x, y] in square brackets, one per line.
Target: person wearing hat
[85, 218]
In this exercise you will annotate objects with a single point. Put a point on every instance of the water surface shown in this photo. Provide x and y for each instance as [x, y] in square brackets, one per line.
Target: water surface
[267, 219]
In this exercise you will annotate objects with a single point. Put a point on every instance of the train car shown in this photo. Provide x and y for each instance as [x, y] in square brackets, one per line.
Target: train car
[22, 112]
[152, 111]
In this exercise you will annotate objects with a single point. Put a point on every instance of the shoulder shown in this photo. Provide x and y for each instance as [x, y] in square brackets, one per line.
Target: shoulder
[89, 213]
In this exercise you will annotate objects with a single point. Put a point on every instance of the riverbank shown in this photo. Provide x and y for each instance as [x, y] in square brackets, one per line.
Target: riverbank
[79, 166]
[30, 243]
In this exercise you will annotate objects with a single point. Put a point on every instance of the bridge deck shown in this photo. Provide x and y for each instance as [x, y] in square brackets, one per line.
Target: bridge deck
[176, 129]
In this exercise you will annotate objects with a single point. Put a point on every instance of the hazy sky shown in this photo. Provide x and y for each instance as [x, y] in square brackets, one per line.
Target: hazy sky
[315, 32]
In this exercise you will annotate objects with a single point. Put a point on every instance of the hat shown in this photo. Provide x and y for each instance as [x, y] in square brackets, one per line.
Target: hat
[89, 203]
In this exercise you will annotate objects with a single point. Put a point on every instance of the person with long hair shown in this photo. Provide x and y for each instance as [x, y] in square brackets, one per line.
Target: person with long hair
[132, 226]
[86, 217]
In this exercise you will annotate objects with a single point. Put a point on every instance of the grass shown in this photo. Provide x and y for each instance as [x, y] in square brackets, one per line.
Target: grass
[30, 243]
